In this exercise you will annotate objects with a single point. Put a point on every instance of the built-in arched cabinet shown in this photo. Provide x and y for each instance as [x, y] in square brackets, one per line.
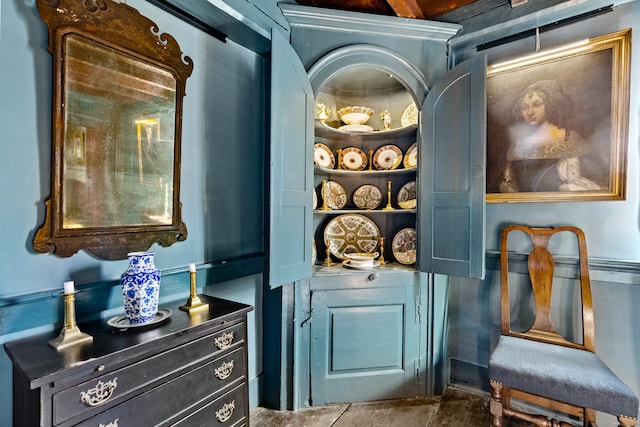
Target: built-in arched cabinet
[365, 163]
[365, 334]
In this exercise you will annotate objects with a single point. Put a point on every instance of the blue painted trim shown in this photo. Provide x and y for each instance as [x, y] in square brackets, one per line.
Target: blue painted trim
[389, 26]
[605, 270]
[255, 391]
[242, 22]
[97, 299]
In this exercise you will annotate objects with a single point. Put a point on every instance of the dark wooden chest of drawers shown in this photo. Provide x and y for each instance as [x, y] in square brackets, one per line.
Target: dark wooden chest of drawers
[190, 370]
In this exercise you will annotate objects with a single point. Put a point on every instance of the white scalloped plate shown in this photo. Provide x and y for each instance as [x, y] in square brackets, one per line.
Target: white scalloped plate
[353, 158]
[387, 157]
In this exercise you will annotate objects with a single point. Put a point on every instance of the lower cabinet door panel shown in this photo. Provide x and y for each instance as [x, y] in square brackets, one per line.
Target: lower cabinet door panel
[365, 344]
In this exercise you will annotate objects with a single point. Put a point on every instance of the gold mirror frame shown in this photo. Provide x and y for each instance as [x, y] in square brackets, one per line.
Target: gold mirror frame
[118, 88]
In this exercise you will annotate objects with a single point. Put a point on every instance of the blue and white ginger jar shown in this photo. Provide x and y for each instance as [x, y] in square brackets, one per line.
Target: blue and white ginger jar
[140, 288]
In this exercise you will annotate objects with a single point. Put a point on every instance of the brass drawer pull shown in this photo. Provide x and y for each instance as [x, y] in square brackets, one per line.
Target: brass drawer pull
[224, 340]
[113, 423]
[224, 371]
[224, 413]
[99, 394]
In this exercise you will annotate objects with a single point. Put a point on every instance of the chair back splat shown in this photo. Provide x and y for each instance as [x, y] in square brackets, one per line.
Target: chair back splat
[539, 365]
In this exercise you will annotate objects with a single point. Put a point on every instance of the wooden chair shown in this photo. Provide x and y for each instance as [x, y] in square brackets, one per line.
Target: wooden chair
[538, 365]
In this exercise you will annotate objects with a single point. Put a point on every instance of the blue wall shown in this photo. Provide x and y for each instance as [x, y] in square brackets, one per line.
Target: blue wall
[222, 158]
[612, 228]
[222, 180]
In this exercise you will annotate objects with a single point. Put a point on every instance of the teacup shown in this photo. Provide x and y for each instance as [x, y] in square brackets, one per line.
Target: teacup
[361, 259]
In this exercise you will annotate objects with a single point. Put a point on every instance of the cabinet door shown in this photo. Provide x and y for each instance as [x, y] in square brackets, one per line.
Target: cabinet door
[365, 344]
[451, 211]
[291, 166]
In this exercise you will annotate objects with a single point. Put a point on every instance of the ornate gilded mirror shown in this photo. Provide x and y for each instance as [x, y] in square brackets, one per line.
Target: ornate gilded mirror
[118, 86]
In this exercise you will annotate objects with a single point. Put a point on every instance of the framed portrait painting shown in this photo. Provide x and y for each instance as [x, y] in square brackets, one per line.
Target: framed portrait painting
[557, 123]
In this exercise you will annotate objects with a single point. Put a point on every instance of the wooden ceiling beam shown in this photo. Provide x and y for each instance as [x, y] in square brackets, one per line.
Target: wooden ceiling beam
[406, 8]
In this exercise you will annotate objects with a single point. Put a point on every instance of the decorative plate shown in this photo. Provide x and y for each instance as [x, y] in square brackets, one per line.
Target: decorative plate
[347, 264]
[323, 156]
[407, 195]
[314, 251]
[411, 157]
[356, 128]
[410, 115]
[121, 321]
[351, 233]
[367, 197]
[404, 246]
[334, 195]
[353, 158]
[315, 199]
[387, 157]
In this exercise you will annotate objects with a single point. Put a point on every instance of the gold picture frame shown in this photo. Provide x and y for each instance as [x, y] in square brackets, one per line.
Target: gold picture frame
[557, 123]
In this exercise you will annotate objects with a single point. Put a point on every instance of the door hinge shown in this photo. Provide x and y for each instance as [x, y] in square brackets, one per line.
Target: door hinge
[417, 365]
[418, 310]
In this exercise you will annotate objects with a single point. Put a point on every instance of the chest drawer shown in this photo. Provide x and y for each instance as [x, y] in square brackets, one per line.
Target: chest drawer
[177, 396]
[109, 389]
[226, 411]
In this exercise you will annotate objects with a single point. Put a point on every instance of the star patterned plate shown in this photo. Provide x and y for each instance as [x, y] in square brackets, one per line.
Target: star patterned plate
[351, 233]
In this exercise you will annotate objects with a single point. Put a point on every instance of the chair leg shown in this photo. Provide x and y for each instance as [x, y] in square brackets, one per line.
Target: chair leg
[626, 421]
[590, 417]
[495, 405]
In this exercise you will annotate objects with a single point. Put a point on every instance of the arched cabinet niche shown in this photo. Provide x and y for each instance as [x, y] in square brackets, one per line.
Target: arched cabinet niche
[370, 171]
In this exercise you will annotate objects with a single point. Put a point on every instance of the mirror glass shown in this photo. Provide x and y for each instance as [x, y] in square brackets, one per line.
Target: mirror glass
[118, 88]
[119, 134]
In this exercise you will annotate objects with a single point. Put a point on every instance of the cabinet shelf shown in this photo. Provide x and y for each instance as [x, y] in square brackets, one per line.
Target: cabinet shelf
[324, 131]
[394, 211]
[326, 171]
[339, 270]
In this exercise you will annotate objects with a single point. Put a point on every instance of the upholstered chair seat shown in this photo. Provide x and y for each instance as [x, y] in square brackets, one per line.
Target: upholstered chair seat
[561, 373]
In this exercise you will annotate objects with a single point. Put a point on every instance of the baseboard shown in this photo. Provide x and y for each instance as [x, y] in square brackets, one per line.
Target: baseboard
[468, 374]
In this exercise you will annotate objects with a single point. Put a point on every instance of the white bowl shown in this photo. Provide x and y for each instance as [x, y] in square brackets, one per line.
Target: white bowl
[355, 115]
[355, 118]
[361, 259]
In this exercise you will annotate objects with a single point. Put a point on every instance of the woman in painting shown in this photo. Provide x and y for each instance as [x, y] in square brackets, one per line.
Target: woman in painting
[545, 152]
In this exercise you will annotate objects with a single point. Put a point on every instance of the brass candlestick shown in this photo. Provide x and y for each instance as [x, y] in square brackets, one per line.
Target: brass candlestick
[370, 160]
[327, 261]
[194, 303]
[324, 207]
[70, 334]
[388, 207]
[339, 166]
[381, 259]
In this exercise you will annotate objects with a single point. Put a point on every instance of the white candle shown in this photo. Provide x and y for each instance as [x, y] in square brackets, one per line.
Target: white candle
[68, 287]
[192, 267]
